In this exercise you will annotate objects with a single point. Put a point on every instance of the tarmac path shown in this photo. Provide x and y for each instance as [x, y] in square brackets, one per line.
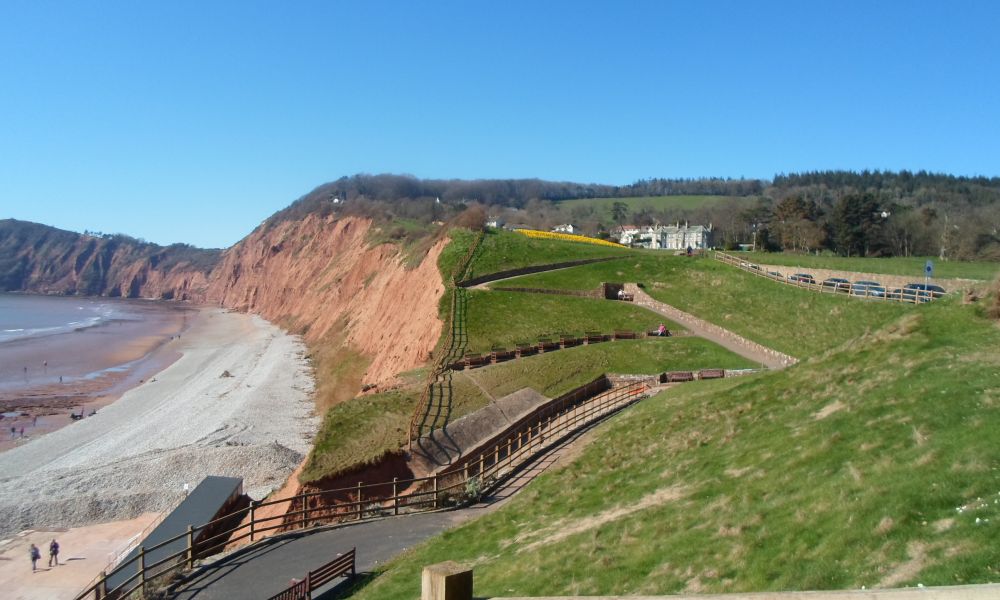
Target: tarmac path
[266, 568]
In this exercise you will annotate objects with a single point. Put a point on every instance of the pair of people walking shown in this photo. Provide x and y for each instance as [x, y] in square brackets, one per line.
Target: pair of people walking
[36, 555]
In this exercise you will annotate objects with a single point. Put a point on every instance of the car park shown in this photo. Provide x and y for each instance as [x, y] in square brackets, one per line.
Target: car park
[802, 278]
[837, 284]
[920, 292]
[776, 274]
[868, 288]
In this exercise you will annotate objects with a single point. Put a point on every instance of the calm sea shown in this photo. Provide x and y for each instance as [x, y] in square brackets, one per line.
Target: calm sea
[37, 316]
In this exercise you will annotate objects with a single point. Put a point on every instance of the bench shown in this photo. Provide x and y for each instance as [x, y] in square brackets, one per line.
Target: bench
[568, 341]
[545, 344]
[499, 353]
[625, 335]
[676, 376]
[711, 374]
[594, 337]
[525, 349]
[472, 360]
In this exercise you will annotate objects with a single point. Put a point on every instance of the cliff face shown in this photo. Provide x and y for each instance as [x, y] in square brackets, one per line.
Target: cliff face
[45, 260]
[317, 275]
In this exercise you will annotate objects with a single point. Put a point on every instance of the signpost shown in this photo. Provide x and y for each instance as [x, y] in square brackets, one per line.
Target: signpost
[928, 271]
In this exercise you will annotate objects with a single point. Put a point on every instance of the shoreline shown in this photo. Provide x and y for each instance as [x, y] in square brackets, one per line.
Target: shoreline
[237, 401]
[87, 369]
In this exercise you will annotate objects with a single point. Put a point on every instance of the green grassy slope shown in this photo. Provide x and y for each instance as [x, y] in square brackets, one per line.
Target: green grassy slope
[897, 265]
[797, 322]
[506, 317]
[504, 250]
[875, 465]
[555, 373]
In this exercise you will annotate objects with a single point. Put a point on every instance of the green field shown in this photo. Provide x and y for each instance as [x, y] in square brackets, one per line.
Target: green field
[503, 318]
[875, 465]
[912, 266]
[795, 321]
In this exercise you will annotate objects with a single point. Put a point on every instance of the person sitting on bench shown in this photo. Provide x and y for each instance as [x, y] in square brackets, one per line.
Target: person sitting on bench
[621, 293]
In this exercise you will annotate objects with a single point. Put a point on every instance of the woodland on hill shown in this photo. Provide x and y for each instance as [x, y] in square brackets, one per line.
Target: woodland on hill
[871, 213]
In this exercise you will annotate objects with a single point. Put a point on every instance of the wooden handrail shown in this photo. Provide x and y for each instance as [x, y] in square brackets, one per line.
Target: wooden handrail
[526, 438]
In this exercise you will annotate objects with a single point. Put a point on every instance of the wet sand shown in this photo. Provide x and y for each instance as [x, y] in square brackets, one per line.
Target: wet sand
[44, 380]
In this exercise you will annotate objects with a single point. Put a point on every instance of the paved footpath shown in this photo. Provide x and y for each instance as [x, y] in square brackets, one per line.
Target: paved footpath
[266, 568]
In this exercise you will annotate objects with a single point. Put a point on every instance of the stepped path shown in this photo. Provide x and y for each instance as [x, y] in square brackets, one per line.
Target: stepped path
[725, 338]
[265, 569]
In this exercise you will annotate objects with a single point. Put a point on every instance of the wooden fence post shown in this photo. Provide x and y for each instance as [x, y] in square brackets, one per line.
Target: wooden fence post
[102, 587]
[190, 548]
[435, 490]
[482, 463]
[360, 504]
[395, 496]
[253, 516]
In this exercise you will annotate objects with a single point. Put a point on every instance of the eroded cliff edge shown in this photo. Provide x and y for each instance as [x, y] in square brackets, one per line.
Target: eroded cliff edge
[318, 275]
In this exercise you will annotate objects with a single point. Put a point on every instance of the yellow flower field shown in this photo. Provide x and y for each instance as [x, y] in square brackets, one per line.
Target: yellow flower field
[549, 235]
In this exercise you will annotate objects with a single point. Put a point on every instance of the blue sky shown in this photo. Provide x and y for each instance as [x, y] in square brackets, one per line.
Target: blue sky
[194, 121]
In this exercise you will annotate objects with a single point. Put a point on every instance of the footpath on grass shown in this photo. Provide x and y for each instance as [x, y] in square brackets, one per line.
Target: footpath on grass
[266, 568]
[725, 338]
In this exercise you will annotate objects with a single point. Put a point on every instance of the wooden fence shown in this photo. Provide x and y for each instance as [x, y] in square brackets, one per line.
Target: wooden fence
[439, 366]
[341, 566]
[462, 482]
[497, 354]
[853, 290]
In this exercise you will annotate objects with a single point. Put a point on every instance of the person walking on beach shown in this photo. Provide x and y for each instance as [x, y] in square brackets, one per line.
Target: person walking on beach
[35, 555]
[54, 553]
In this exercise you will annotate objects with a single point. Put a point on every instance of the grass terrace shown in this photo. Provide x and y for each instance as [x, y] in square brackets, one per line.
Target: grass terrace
[503, 318]
[555, 373]
[897, 265]
[874, 464]
[504, 250]
[372, 426]
[798, 322]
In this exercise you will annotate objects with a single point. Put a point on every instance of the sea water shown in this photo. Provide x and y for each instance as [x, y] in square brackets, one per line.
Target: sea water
[24, 317]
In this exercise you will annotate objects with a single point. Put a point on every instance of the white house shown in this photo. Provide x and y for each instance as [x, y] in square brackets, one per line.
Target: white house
[669, 237]
[678, 237]
[566, 228]
[495, 222]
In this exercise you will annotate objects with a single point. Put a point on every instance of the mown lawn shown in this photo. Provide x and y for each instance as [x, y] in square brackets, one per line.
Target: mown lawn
[503, 318]
[897, 265]
[873, 465]
[504, 250]
[795, 321]
[557, 372]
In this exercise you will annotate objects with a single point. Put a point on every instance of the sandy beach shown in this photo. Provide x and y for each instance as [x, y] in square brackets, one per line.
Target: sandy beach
[43, 380]
[237, 403]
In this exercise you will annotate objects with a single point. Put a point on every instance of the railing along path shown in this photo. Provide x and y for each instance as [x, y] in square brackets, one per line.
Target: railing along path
[477, 471]
[851, 290]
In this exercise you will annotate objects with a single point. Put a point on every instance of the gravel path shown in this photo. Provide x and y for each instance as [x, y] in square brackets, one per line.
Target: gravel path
[187, 422]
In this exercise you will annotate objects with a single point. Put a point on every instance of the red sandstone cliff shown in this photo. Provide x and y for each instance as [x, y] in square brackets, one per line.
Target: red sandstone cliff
[315, 275]
[318, 274]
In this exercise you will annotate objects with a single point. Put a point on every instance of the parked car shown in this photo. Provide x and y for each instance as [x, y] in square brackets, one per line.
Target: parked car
[918, 292]
[776, 274]
[839, 284]
[868, 288]
[802, 277]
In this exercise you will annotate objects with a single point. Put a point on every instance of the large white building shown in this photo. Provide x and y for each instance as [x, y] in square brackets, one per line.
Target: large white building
[667, 237]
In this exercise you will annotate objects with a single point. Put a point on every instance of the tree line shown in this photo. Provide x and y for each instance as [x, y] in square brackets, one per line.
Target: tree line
[866, 213]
